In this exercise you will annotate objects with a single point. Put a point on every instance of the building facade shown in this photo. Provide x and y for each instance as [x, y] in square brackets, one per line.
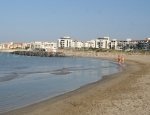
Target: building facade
[113, 44]
[50, 46]
[102, 43]
[90, 44]
[64, 42]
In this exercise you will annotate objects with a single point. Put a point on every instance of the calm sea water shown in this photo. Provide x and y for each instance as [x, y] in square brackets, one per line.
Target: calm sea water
[26, 80]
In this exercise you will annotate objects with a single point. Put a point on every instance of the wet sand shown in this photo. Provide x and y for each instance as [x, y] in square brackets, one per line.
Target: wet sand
[125, 93]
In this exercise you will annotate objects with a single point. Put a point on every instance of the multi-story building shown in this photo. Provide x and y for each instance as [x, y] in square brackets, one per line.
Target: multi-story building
[80, 44]
[13, 45]
[36, 45]
[127, 44]
[102, 43]
[122, 44]
[90, 44]
[26, 46]
[5, 45]
[113, 44]
[77, 44]
[65, 42]
[144, 44]
[49, 46]
[74, 44]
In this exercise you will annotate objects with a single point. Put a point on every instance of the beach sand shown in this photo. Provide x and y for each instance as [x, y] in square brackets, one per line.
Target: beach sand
[124, 93]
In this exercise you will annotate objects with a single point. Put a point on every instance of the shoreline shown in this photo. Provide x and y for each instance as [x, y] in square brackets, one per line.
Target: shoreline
[9, 50]
[72, 92]
[75, 102]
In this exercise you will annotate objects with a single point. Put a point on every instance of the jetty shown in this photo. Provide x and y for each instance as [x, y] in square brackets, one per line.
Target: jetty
[39, 53]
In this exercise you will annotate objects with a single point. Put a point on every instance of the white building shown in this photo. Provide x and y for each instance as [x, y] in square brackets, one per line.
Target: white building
[1, 46]
[102, 43]
[80, 44]
[90, 44]
[77, 44]
[65, 42]
[5, 45]
[74, 44]
[27, 45]
[49, 46]
[113, 44]
[36, 45]
[127, 44]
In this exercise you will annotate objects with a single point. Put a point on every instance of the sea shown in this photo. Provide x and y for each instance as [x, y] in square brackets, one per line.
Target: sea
[26, 80]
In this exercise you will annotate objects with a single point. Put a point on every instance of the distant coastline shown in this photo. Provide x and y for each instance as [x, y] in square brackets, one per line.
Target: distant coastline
[39, 53]
[10, 50]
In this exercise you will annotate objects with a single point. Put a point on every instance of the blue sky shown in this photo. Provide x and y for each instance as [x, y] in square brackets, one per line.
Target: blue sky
[48, 20]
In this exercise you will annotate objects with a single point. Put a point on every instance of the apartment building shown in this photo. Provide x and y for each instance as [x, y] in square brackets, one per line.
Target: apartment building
[49, 46]
[90, 44]
[102, 43]
[77, 44]
[5, 45]
[65, 42]
[113, 44]
[13, 45]
[144, 44]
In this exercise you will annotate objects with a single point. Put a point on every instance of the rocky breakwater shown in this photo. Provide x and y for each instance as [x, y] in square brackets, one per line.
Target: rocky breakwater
[39, 53]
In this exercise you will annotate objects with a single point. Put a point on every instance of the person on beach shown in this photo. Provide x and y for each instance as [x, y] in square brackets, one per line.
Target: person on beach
[120, 59]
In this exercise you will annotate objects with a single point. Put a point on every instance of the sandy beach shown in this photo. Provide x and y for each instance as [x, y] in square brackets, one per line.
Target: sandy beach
[124, 93]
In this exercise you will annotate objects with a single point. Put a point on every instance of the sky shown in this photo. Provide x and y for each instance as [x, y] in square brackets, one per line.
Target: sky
[48, 20]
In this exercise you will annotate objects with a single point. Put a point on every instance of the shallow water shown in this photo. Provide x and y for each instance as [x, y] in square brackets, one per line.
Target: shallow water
[26, 80]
